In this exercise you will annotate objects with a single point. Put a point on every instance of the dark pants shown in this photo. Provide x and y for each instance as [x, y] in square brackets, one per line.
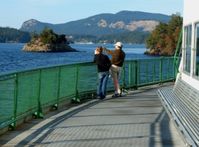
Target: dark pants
[102, 83]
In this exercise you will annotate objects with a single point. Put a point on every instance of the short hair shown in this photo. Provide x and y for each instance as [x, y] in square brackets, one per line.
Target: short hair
[99, 49]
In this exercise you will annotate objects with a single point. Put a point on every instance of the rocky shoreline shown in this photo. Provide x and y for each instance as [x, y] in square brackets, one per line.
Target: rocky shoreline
[41, 47]
[48, 41]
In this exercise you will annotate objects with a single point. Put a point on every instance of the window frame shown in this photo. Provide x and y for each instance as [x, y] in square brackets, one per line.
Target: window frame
[187, 42]
[196, 44]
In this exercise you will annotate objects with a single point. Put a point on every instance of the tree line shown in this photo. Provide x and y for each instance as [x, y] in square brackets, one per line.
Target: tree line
[137, 37]
[13, 35]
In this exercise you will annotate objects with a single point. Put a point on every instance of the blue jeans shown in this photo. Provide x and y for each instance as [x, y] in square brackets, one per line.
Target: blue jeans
[102, 82]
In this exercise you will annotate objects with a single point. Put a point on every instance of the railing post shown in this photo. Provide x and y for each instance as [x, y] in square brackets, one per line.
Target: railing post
[168, 67]
[76, 99]
[175, 66]
[154, 72]
[161, 72]
[39, 113]
[12, 126]
[124, 75]
[130, 73]
[147, 72]
[178, 52]
[136, 74]
[55, 106]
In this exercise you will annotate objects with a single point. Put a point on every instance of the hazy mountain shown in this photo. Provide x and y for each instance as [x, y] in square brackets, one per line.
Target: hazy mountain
[102, 24]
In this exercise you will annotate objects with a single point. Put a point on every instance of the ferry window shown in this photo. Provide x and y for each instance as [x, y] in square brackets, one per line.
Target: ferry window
[197, 49]
[187, 48]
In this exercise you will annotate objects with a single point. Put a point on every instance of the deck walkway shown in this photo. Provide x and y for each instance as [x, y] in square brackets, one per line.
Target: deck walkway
[136, 120]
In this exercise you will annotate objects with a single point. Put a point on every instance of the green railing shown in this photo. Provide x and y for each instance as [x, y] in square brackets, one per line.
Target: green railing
[28, 93]
[178, 51]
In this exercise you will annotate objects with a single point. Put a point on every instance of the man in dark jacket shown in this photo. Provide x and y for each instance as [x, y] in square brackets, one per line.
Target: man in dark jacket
[117, 60]
[103, 65]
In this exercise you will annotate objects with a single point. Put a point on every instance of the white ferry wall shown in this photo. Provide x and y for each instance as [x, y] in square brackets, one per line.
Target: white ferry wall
[190, 19]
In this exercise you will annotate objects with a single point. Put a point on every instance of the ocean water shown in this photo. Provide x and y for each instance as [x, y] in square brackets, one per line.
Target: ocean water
[13, 59]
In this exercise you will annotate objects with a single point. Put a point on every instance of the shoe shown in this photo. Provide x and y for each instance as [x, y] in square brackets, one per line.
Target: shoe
[102, 97]
[115, 95]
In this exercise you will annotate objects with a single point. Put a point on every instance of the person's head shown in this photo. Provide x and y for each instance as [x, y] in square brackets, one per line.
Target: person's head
[99, 50]
[118, 45]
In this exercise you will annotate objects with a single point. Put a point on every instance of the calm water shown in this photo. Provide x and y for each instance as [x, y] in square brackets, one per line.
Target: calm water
[14, 59]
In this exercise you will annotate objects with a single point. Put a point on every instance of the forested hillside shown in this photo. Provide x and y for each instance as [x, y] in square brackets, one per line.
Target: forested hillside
[163, 40]
[13, 35]
[126, 26]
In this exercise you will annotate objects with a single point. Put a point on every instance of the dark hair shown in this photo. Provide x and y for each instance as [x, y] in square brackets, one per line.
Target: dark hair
[99, 49]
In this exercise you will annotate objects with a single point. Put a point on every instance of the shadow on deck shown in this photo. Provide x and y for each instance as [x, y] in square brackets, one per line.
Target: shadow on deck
[135, 120]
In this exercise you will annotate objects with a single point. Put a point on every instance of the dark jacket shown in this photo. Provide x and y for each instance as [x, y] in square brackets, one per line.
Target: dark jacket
[103, 62]
[118, 56]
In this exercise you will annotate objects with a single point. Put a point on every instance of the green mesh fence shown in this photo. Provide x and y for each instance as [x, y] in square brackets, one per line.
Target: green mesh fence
[129, 73]
[151, 71]
[67, 84]
[87, 77]
[29, 92]
[49, 86]
[7, 99]
[168, 68]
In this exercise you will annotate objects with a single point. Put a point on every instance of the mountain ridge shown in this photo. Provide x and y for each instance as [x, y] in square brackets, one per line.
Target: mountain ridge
[102, 24]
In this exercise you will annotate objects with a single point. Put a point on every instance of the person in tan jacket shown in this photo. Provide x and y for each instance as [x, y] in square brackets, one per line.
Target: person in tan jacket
[117, 60]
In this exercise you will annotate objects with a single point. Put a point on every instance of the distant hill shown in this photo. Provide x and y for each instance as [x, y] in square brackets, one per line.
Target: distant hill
[102, 24]
[126, 26]
[13, 35]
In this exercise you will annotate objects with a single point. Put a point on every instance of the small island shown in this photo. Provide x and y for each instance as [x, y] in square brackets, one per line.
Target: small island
[48, 41]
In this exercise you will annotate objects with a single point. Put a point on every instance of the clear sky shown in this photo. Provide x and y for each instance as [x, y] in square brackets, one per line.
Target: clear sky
[14, 12]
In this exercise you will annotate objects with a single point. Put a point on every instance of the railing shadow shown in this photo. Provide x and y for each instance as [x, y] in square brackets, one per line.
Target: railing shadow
[165, 131]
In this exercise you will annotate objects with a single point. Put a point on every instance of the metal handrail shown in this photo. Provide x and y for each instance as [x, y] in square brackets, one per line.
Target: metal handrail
[29, 92]
[178, 52]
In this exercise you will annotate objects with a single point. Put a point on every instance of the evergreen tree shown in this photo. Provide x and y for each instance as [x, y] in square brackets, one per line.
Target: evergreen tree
[163, 40]
[13, 35]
